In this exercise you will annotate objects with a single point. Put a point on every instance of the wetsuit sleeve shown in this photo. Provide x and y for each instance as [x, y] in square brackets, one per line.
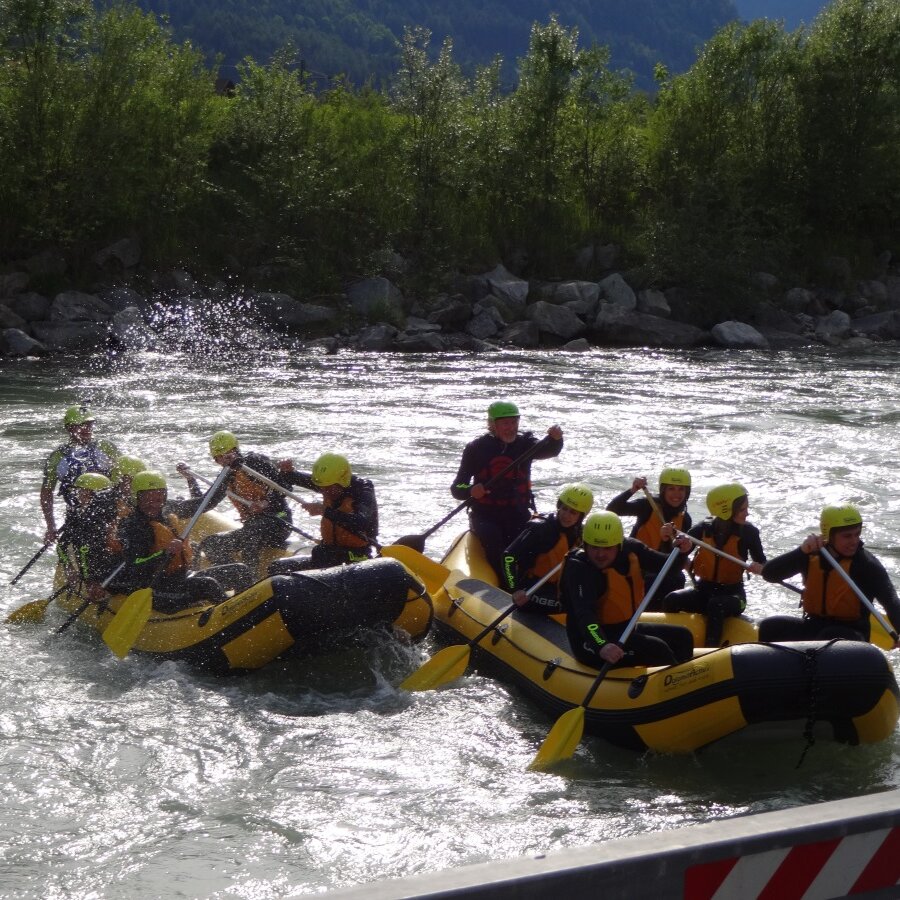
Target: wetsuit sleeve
[536, 538]
[753, 543]
[580, 587]
[184, 509]
[141, 562]
[462, 483]
[875, 583]
[549, 449]
[623, 505]
[300, 479]
[363, 521]
[794, 562]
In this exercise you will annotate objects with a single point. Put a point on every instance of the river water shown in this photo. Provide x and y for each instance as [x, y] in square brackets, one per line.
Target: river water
[139, 779]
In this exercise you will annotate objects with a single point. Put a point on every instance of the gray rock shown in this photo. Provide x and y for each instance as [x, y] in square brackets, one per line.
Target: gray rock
[75, 306]
[485, 324]
[884, 325]
[584, 309]
[467, 343]
[738, 336]
[774, 317]
[70, 337]
[121, 298]
[797, 300]
[14, 342]
[615, 291]
[876, 291]
[129, 328]
[579, 345]
[764, 281]
[283, 311]
[376, 338]
[416, 325]
[126, 252]
[557, 321]
[510, 289]
[653, 303]
[521, 334]
[784, 340]
[30, 306]
[419, 342]
[453, 313]
[9, 319]
[833, 327]
[13, 283]
[566, 293]
[377, 300]
[615, 325]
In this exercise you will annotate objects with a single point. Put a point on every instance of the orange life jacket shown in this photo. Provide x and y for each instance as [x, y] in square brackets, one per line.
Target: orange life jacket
[623, 593]
[649, 532]
[334, 535]
[712, 567]
[163, 535]
[546, 562]
[825, 593]
[243, 485]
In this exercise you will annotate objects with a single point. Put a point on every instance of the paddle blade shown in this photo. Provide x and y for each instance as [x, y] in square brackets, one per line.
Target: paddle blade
[414, 541]
[128, 623]
[443, 667]
[432, 574]
[562, 740]
[30, 612]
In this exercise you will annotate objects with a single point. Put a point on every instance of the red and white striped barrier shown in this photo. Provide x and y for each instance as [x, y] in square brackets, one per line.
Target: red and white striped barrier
[833, 868]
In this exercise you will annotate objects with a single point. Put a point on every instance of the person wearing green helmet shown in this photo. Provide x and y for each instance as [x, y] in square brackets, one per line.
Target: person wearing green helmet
[602, 586]
[499, 512]
[718, 590]
[62, 467]
[263, 511]
[541, 545]
[154, 553]
[348, 510]
[657, 518]
[85, 546]
[830, 607]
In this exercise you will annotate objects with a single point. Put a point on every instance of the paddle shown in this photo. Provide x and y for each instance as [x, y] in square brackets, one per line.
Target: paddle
[132, 616]
[86, 603]
[451, 662]
[417, 541]
[742, 563]
[242, 500]
[566, 732]
[37, 556]
[35, 610]
[862, 597]
[654, 505]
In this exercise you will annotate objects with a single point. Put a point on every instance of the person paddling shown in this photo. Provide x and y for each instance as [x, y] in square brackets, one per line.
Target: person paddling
[718, 591]
[497, 514]
[155, 554]
[830, 607]
[264, 515]
[82, 454]
[349, 512]
[541, 546]
[652, 514]
[601, 587]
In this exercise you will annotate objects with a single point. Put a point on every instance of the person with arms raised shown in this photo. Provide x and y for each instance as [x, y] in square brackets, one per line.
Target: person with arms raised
[542, 546]
[602, 586]
[498, 513]
[831, 608]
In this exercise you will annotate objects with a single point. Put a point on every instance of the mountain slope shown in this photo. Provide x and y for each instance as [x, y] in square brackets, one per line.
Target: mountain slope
[358, 37]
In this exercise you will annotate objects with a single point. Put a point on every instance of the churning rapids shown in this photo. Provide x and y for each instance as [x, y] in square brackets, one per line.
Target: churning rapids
[138, 779]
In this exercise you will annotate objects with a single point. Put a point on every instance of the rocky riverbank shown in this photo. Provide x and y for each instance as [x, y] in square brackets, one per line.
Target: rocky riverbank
[495, 309]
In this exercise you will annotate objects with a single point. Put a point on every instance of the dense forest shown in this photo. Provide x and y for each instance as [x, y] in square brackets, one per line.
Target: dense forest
[360, 37]
[772, 151]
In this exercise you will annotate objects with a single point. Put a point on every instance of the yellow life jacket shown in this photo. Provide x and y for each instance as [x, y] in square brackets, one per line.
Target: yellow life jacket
[623, 593]
[825, 593]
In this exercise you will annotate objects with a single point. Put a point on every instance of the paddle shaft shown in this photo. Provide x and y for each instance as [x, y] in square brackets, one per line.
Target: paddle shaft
[862, 597]
[517, 461]
[242, 500]
[36, 557]
[654, 505]
[86, 603]
[742, 563]
[632, 624]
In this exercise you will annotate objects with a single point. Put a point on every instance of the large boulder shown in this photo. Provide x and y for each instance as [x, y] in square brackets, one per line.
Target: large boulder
[14, 342]
[738, 336]
[653, 303]
[30, 306]
[127, 253]
[615, 325]
[377, 300]
[451, 312]
[833, 327]
[511, 290]
[884, 325]
[283, 311]
[13, 283]
[419, 342]
[71, 337]
[556, 321]
[130, 329]
[486, 322]
[376, 338]
[521, 334]
[797, 300]
[615, 291]
[565, 293]
[9, 319]
[121, 298]
[75, 306]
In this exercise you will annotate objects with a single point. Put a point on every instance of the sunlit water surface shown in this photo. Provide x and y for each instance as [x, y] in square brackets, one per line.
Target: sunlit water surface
[138, 779]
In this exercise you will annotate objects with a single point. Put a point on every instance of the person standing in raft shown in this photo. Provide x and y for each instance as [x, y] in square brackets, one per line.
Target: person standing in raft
[650, 527]
[155, 556]
[62, 467]
[541, 546]
[264, 515]
[349, 512]
[718, 591]
[85, 547]
[602, 586]
[497, 514]
[830, 607]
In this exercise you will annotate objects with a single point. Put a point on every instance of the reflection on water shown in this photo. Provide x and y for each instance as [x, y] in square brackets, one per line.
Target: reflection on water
[141, 779]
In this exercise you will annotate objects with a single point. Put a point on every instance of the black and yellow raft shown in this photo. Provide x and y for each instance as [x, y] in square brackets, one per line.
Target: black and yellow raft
[847, 689]
[286, 615]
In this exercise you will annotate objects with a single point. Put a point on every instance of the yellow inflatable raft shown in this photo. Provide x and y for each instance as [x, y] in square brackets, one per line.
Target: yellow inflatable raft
[847, 685]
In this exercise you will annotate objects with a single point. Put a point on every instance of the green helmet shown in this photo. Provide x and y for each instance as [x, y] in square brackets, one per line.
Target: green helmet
[77, 415]
[578, 497]
[679, 477]
[222, 442]
[93, 481]
[838, 517]
[720, 500]
[331, 468]
[126, 467]
[503, 409]
[148, 481]
[603, 529]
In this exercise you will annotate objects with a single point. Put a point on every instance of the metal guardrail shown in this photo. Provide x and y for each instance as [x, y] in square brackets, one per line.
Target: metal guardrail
[827, 850]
